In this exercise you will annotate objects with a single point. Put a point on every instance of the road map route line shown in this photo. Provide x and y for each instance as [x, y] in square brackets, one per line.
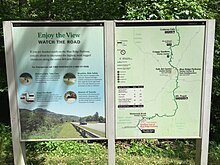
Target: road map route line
[177, 81]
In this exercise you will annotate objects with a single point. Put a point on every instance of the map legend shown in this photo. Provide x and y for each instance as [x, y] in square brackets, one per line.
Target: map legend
[130, 96]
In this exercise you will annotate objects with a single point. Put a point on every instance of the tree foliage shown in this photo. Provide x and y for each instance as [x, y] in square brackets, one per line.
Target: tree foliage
[95, 118]
[214, 6]
[166, 9]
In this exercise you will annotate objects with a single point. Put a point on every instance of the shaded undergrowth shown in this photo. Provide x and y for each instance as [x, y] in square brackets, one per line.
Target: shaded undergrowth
[145, 151]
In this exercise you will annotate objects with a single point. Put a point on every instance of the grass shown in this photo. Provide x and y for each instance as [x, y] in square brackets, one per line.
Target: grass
[67, 152]
[65, 130]
[68, 131]
[44, 133]
[131, 152]
[125, 159]
[78, 159]
[128, 152]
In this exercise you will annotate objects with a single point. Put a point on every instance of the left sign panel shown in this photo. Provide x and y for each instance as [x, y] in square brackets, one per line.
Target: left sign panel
[59, 69]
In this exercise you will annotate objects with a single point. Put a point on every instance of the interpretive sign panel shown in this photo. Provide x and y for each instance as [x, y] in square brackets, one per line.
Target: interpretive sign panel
[159, 74]
[59, 69]
[150, 79]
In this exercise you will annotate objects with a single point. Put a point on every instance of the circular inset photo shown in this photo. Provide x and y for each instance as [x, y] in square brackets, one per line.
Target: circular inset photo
[70, 97]
[25, 78]
[27, 97]
[69, 78]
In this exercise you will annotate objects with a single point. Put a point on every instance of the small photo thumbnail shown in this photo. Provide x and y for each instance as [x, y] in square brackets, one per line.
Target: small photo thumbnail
[69, 78]
[25, 78]
[70, 97]
[27, 97]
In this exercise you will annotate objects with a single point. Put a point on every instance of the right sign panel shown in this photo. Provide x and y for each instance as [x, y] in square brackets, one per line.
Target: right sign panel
[159, 73]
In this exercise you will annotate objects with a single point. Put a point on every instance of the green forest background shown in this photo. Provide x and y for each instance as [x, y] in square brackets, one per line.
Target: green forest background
[112, 10]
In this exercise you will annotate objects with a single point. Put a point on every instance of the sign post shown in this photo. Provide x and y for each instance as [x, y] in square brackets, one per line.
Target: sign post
[110, 81]
[18, 146]
[135, 79]
[203, 143]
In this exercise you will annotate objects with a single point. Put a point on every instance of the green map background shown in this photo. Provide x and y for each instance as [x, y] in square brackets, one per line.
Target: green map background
[173, 118]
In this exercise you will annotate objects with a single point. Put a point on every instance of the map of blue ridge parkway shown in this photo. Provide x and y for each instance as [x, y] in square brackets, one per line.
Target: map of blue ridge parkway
[159, 71]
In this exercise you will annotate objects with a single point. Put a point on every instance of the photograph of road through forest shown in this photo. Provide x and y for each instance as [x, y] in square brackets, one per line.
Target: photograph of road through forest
[43, 124]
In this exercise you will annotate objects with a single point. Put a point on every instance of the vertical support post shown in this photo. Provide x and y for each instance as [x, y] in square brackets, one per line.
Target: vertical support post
[110, 83]
[203, 143]
[18, 146]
